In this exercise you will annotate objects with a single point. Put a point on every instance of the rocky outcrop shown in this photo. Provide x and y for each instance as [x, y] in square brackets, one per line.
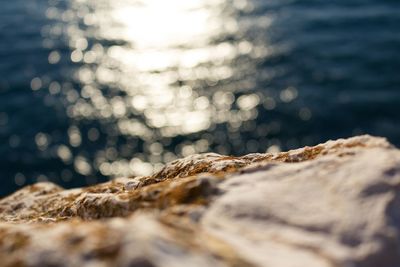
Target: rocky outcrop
[335, 204]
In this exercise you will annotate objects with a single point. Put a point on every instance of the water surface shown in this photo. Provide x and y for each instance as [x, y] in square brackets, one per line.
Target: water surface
[97, 89]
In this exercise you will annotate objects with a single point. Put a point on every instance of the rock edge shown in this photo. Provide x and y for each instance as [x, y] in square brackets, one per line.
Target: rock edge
[334, 204]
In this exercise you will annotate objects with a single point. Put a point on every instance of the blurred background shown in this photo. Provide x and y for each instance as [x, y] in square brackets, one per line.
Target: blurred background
[96, 89]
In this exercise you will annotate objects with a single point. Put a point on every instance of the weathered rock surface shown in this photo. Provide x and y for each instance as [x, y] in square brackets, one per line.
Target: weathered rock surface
[335, 204]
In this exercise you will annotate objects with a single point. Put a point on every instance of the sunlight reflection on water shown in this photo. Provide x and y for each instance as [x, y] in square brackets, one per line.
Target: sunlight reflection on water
[95, 89]
[156, 70]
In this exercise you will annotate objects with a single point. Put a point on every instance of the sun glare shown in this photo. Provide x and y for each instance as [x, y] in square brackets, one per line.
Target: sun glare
[144, 65]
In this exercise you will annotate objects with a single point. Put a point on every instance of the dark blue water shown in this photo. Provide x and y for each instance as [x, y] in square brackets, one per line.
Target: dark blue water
[90, 91]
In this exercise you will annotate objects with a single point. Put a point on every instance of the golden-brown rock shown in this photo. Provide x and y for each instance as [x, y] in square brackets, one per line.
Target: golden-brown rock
[335, 204]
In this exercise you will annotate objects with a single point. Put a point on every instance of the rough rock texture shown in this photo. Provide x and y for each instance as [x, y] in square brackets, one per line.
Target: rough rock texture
[335, 204]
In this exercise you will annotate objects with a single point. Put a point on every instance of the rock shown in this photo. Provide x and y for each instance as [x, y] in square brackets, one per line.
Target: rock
[335, 204]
